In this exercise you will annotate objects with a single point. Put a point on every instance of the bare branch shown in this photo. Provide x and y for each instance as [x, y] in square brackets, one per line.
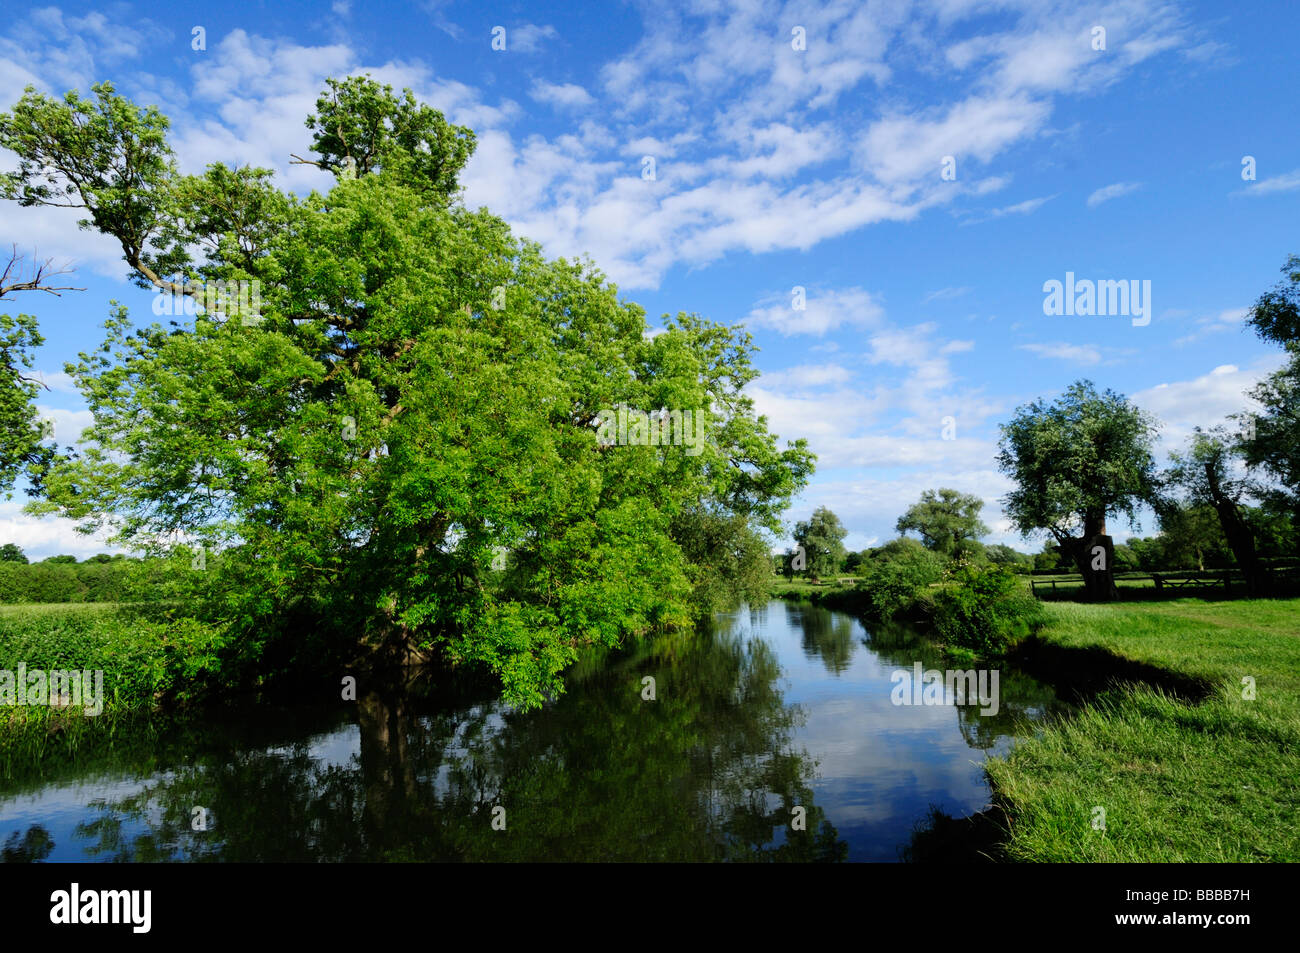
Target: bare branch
[12, 279]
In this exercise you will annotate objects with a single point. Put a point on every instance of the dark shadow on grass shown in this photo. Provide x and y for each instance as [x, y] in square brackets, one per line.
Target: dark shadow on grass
[1081, 674]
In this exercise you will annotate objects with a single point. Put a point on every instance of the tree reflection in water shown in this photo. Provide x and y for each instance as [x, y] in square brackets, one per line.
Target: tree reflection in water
[706, 771]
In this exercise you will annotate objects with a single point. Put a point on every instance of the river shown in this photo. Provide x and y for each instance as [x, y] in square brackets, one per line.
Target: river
[770, 734]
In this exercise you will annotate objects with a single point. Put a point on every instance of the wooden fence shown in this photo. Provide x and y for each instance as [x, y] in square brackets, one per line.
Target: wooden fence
[1207, 579]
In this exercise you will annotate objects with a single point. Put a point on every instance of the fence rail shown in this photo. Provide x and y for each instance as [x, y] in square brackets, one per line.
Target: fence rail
[1205, 579]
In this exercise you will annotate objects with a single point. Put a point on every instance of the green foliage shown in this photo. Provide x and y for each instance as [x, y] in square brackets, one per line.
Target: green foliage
[21, 432]
[361, 127]
[902, 546]
[945, 519]
[421, 393]
[112, 580]
[144, 651]
[728, 562]
[12, 553]
[1275, 316]
[1126, 559]
[1149, 552]
[1191, 537]
[822, 539]
[985, 609]
[899, 585]
[1077, 461]
[1002, 555]
[1271, 439]
[108, 157]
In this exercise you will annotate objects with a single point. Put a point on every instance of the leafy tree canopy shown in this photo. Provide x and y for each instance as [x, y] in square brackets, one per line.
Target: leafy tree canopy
[1276, 314]
[822, 539]
[12, 553]
[1078, 461]
[945, 520]
[1271, 440]
[395, 452]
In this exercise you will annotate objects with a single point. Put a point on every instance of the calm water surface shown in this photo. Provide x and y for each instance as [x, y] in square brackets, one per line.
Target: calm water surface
[766, 711]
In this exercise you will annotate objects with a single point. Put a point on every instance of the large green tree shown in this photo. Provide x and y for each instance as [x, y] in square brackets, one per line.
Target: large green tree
[947, 520]
[12, 553]
[1077, 462]
[821, 537]
[395, 448]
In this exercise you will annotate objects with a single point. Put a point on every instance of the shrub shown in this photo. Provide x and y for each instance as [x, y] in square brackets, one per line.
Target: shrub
[985, 608]
[899, 585]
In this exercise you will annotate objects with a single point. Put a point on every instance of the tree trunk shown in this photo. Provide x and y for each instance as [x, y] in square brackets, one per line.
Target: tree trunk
[1237, 532]
[1094, 556]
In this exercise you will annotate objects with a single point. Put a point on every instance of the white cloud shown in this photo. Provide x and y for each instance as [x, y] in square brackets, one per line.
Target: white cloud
[823, 312]
[806, 376]
[905, 148]
[1204, 401]
[1108, 192]
[39, 537]
[724, 180]
[1027, 207]
[1230, 319]
[1278, 183]
[67, 424]
[529, 37]
[945, 294]
[561, 94]
[57, 381]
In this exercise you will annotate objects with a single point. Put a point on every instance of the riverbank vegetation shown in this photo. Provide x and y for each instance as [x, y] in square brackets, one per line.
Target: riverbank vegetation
[1141, 774]
[150, 656]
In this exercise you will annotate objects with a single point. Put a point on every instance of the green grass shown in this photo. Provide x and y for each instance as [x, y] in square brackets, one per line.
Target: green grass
[143, 652]
[801, 585]
[1213, 781]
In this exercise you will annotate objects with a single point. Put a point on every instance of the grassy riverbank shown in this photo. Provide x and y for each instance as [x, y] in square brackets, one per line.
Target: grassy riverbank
[1180, 780]
[143, 652]
[1184, 765]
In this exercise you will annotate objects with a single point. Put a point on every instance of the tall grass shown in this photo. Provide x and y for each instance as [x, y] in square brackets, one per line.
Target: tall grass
[146, 655]
[1214, 781]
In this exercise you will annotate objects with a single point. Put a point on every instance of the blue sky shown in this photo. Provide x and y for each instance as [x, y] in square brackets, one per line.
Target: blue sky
[774, 168]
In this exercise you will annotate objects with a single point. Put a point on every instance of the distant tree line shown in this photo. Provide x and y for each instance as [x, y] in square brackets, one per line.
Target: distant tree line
[99, 578]
[1229, 499]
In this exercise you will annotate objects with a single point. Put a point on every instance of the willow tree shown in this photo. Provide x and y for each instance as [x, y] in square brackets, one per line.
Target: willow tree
[947, 520]
[1077, 462]
[393, 444]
